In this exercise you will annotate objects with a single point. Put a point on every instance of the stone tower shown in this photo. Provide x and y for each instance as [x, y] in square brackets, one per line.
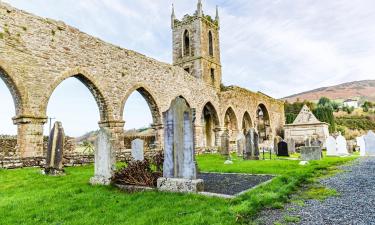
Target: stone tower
[196, 45]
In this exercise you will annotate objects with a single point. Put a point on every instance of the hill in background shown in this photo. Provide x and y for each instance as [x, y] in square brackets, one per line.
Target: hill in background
[360, 90]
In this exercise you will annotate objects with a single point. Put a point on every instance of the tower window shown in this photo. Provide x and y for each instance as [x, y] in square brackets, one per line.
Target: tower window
[186, 44]
[210, 44]
[213, 75]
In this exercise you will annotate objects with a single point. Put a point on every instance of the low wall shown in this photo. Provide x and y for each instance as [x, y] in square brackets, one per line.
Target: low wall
[10, 159]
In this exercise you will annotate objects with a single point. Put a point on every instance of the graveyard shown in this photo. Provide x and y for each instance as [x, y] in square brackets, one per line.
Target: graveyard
[29, 198]
[205, 152]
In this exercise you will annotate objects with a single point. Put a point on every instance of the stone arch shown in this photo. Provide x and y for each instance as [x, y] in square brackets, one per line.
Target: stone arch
[210, 123]
[150, 99]
[210, 44]
[88, 81]
[231, 123]
[246, 122]
[186, 43]
[263, 122]
[15, 89]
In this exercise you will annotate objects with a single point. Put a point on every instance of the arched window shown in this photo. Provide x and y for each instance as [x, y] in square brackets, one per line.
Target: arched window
[186, 41]
[210, 44]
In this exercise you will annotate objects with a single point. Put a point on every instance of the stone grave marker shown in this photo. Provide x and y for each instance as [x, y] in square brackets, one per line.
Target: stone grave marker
[311, 153]
[331, 146]
[370, 143]
[251, 145]
[342, 148]
[240, 144]
[179, 169]
[137, 149]
[54, 164]
[291, 145]
[362, 145]
[276, 141]
[224, 150]
[105, 158]
[282, 149]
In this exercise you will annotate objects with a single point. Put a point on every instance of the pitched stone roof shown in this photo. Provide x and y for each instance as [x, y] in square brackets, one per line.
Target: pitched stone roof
[305, 116]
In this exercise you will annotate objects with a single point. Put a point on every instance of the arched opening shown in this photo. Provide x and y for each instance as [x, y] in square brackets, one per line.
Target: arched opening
[142, 120]
[210, 44]
[246, 123]
[230, 123]
[263, 123]
[210, 121]
[7, 109]
[78, 104]
[186, 43]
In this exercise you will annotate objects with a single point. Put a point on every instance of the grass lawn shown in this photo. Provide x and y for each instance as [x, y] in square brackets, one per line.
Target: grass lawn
[27, 197]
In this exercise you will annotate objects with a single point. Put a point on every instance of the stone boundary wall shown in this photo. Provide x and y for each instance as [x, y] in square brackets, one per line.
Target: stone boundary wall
[10, 159]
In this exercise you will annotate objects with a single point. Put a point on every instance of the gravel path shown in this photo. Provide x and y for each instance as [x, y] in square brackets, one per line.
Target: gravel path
[354, 205]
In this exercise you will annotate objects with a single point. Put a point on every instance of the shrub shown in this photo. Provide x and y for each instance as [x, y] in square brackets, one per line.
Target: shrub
[142, 173]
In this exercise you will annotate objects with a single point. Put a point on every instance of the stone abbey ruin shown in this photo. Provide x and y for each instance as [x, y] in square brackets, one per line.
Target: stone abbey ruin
[37, 54]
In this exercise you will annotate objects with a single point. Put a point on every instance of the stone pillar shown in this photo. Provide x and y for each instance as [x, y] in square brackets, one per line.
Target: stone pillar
[30, 135]
[218, 133]
[199, 137]
[159, 135]
[116, 128]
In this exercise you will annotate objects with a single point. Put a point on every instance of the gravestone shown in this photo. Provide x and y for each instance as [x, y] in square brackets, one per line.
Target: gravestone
[105, 158]
[276, 141]
[224, 150]
[362, 145]
[282, 149]
[137, 149]
[291, 145]
[308, 141]
[251, 145]
[311, 153]
[342, 148]
[370, 143]
[240, 144]
[54, 165]
[331, 146]
[315, 142]
[179, 168]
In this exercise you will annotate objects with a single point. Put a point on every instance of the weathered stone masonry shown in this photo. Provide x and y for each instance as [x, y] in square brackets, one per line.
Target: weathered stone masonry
[37, 54]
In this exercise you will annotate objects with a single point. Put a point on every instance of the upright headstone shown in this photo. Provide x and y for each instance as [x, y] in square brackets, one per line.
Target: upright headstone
[308, 141]
[362, 145]
[291, 145]
[315, 142]
[240, 144]
[331, 146]
[105, 158]
[179, 169]
[342, 148]
[251, 145]
[282, 149]
[137, 149]
[276, 141]
[311, 153]
[54, 165]
[224, 150]
[370, 143]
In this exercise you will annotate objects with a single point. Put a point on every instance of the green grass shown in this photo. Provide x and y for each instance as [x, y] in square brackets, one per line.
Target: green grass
[27, 197]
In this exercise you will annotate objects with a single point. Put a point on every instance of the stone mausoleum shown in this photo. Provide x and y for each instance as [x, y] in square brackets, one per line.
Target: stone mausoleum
[306, 125]
[37, 54]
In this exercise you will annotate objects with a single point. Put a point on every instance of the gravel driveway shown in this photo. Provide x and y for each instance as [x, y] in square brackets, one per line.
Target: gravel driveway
[354, 205]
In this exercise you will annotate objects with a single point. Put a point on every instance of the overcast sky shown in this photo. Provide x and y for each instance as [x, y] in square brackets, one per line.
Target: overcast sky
[279, 47]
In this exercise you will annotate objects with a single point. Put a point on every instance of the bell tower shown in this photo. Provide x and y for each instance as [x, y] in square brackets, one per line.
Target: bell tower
[196, 46]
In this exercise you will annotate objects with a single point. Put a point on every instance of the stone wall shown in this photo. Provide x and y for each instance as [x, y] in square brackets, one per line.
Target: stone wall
[37, 54]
